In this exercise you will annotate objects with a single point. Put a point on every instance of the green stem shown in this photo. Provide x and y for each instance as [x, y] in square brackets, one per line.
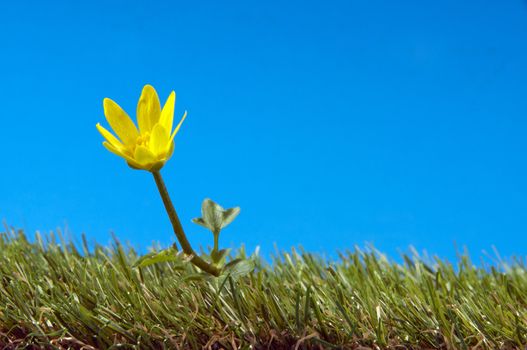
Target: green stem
[216, 241]
[178, 229]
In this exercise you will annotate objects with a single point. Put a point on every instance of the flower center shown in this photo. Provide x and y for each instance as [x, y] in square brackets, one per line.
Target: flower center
[143, 140]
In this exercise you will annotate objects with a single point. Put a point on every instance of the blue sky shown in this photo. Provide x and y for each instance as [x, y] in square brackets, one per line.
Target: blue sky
[331, 124]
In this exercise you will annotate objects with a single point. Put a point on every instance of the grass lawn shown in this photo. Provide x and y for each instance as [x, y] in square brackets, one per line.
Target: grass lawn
[53, 295]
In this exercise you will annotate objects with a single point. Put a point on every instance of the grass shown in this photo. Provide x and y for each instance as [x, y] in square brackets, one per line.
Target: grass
[54, 295]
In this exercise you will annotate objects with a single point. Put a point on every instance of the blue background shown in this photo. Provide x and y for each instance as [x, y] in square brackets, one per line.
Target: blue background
[330, 123]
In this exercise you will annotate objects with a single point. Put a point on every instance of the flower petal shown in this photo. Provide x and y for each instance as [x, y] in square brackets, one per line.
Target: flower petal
[178, 126]
[109, 137]
[144, 157]
[170, 150]
[159, 140]
[117, 152]
[120, 122]
[167, 114]
[112, 149]
[148, 109]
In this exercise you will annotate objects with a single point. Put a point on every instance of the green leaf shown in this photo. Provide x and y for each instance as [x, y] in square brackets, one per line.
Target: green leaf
[170, 254]
[212, 214]
[218, 256]
[214, 217]
[197, 277]
[201, 222]
[239, 268]
[229, 215]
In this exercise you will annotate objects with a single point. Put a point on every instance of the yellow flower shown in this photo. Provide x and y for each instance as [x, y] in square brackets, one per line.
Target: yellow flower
[150, 146]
